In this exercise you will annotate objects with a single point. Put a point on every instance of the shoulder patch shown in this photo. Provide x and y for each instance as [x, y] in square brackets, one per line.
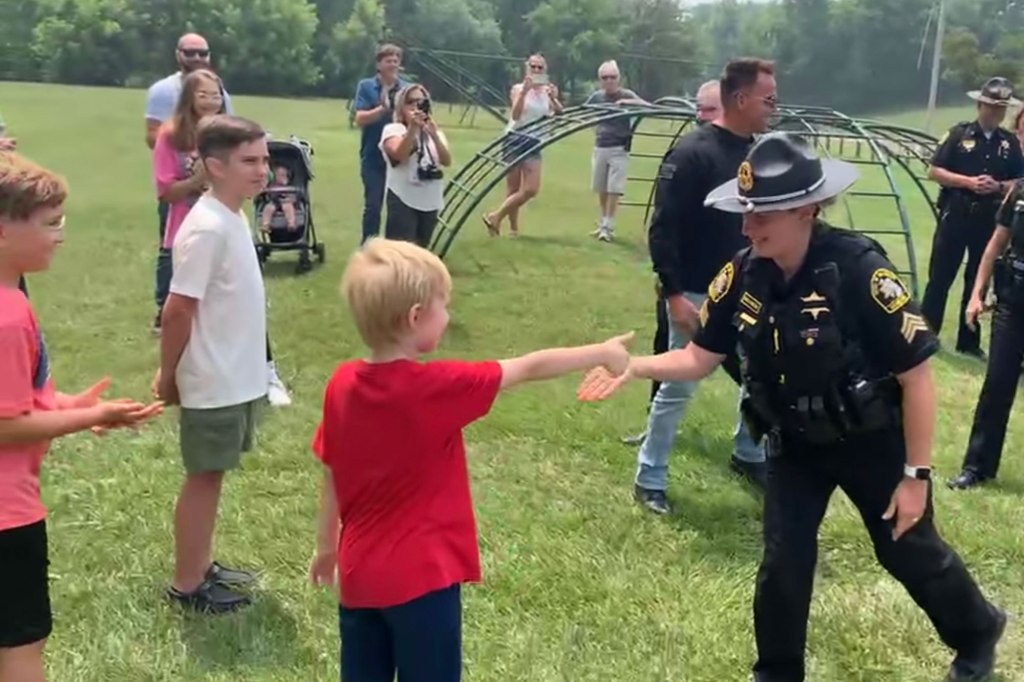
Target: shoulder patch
[666, 171]
[721, 284]
[945, 136]
[888, 290]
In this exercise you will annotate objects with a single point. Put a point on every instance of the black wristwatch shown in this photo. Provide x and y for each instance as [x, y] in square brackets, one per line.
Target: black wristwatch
[919, 473]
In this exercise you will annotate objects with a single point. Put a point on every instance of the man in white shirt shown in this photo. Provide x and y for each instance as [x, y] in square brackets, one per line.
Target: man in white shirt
[212, 354]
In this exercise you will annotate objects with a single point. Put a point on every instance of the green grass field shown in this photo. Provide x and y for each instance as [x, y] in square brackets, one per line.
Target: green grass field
[580, 584]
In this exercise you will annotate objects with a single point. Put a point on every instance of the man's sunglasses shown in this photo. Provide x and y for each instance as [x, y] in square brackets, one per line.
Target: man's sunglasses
[195, 53]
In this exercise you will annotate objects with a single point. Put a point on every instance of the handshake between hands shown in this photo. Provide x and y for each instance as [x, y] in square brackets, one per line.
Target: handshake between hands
[616, 371]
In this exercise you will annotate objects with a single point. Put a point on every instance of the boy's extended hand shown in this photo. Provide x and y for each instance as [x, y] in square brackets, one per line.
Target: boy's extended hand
[618, 353]
[600, 384]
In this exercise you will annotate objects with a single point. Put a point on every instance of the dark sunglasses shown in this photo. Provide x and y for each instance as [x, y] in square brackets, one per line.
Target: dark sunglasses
[195, 53]
[536, 67]
[609, 77]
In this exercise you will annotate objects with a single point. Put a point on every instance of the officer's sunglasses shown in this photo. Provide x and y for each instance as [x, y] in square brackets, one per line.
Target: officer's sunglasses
[195, 53]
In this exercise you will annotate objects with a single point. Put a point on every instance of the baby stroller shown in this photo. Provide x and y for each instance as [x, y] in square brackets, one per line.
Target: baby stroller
[295, 156]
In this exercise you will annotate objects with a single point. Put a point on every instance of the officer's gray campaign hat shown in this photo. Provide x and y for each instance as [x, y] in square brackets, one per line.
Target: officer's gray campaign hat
[781, 172]
[997, 92]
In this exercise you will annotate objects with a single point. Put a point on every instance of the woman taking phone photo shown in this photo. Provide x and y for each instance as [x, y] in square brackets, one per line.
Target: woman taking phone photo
[532, 100]
[414, 149]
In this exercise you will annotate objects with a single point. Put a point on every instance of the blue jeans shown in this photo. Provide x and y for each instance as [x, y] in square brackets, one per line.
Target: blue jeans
[420, 639]
[667, 410]
[164, 269]
[374, 177]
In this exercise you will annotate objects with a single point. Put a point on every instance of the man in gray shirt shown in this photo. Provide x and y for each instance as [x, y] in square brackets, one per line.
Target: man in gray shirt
[611, 150]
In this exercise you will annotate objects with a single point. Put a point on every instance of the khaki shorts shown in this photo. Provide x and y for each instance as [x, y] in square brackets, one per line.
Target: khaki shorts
[609, 166]
[214, 439]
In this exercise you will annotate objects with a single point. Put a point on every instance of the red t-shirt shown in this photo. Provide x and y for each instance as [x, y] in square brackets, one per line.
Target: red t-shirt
[392, 437]
[25, 387]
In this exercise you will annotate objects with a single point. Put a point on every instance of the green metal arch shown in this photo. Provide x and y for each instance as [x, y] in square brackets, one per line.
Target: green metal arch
[886, 145]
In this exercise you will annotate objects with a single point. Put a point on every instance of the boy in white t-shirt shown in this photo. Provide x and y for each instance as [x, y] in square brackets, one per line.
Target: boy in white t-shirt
[213, 353]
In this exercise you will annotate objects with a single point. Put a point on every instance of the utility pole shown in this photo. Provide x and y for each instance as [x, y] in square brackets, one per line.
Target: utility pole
[933, 92]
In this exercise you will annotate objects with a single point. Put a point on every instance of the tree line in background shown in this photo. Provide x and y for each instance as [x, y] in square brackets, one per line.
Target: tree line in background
[854, 55]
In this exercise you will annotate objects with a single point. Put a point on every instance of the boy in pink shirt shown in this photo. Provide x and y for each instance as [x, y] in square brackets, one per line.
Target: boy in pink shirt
[32, 413]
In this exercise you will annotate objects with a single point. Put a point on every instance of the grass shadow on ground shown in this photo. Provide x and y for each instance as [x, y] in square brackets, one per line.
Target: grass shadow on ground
[262, 636]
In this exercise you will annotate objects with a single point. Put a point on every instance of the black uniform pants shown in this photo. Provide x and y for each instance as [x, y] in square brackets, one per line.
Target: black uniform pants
[1006, 352]
[962, 227]
[800, 483]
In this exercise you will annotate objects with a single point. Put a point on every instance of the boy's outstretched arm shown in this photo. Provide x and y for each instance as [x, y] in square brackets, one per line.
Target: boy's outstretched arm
[325, 558]
[691, 363]
[613, 354]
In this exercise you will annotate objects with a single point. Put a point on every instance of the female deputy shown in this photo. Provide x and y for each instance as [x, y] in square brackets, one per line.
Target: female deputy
[838, 374]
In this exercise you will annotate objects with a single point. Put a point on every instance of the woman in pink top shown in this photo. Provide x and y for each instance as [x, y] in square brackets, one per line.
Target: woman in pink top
[180, 180]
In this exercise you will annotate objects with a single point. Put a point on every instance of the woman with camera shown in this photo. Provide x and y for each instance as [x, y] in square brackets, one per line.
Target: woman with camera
[532, 100]
[414, 149]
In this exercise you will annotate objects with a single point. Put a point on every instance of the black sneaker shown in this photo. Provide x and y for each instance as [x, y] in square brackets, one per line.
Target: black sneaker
[979, 664]
[228, 576]
[210, 598]
[653, 500]
[967, 478]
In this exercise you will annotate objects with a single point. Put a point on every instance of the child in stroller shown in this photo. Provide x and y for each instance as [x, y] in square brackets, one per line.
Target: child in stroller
[283, 210]
[280, 200]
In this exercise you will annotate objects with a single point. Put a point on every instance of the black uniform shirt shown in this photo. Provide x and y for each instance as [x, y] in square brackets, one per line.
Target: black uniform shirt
[689, 242]
[965, 150]
[894, 336]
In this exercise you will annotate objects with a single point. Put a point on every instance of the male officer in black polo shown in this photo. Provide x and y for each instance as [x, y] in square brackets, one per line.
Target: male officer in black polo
[975, 163]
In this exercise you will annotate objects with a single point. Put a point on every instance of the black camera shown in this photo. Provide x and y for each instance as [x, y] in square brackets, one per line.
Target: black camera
[430, 172]
[424, 106]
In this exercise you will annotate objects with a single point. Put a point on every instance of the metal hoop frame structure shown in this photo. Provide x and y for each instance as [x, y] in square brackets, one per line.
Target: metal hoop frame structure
[883, 149]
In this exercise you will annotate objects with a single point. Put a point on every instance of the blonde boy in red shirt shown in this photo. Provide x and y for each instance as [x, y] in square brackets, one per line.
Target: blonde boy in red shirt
[32, 413]
[396, 475]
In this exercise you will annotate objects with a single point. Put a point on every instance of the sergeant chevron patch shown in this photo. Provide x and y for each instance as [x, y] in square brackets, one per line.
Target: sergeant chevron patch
[912, 325]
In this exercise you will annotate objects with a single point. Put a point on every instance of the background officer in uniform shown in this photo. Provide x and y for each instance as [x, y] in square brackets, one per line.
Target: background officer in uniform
[688, 243]
[985, 446]
[975, 164]
[836, 363]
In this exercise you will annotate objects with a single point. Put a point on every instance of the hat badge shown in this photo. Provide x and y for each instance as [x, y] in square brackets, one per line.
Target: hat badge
[745, 177]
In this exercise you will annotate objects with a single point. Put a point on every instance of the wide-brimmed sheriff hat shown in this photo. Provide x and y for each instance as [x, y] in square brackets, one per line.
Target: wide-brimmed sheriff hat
[997, 92]
[781, 172]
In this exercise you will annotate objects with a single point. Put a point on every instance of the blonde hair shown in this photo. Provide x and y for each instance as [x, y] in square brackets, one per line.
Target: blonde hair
[26, 187]
[384, 280]
[400, 98]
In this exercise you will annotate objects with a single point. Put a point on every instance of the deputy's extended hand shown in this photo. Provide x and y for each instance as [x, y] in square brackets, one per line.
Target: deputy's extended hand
[600, 384]
[908, 504]
[617, 358]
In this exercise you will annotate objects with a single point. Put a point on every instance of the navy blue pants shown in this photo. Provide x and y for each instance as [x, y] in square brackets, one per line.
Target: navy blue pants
[374, 176]
[421, 640]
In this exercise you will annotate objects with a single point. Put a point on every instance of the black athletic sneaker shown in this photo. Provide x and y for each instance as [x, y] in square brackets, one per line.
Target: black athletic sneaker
[210, 598]
[228, 576]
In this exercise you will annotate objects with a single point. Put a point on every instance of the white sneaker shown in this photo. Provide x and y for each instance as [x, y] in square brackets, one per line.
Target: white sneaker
[604, 234]
[277, 394]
